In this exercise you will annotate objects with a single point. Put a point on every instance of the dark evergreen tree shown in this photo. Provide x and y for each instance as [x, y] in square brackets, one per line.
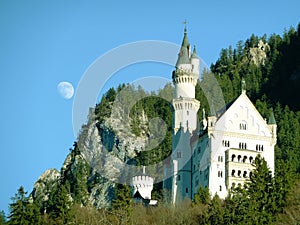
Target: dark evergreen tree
[2, 218]
[23, 211]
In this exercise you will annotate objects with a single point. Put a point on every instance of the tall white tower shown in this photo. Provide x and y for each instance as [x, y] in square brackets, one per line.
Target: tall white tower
[185, 120]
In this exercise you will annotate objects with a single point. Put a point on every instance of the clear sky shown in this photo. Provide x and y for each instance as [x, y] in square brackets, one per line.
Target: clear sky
[45, 42]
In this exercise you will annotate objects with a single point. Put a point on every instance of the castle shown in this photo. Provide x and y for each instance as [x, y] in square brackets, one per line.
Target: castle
[220, 154]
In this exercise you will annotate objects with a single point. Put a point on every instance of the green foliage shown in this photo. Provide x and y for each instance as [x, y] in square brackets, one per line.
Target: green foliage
[60, 206]
[22, 210]
[2, 218]
[202, 196]
[123, 198]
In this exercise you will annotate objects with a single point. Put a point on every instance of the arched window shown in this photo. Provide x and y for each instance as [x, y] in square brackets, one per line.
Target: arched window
[250, 159]
[232, 157]
[232, 173]
[220, 188]
[244, 159]
[239, 158]
[239, 173]
[245, 174]
[178, 177]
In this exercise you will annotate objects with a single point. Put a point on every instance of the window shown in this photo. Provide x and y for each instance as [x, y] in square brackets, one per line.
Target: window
[178, 177]
[250, 159]
[199, 149]
[243, 126]
[239, 158]
[245, 174]
[178, 154]
[232, 157]
[244, 159]
[220, 188]
[186, 190]
[220, 158]
[220, 174]
[225, 143]
[232, 173]
[239, 173]
[259, 147]
[242, 145]
[187, 112]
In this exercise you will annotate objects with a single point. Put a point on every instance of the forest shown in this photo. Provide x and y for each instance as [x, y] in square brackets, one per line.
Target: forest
[270, 67]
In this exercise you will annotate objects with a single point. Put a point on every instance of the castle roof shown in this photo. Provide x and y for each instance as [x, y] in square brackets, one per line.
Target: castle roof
[272, 120]
[183, 55]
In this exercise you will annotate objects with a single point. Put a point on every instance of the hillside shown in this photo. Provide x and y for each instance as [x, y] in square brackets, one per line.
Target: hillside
[128, 121]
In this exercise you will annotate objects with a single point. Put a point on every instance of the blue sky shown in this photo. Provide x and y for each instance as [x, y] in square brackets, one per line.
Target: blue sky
[45, 42]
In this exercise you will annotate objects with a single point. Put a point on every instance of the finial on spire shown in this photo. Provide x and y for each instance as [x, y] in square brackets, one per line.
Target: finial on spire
[243, 86]
[185, 23]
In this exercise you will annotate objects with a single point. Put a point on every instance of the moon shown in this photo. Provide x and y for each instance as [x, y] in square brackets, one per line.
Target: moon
[65, 89]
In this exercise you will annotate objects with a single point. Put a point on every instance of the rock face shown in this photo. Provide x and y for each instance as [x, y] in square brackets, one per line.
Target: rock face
[43, 186]
[96, 163]
[258, 54]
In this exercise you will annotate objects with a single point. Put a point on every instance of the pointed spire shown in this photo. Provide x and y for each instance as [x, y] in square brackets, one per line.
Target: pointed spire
[183, 56]
[272, 120]
[194, 55]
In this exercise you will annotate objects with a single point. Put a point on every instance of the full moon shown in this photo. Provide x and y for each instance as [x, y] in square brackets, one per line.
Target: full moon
[65, 89]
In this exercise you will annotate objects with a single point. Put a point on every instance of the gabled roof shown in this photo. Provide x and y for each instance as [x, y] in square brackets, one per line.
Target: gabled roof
[233, 108]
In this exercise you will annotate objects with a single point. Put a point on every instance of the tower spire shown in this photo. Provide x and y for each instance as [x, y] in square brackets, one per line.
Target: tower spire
[184, 54]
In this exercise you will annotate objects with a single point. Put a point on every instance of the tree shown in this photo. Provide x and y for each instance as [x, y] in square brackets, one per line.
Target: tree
[202, 196]
[215, 211]
[2, 218]
[23, 211]
[123, 198]
[60, 205]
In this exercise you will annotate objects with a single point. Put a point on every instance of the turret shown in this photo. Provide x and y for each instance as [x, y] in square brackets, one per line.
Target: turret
[273, 126]
[186, 73]
[142, 185]
[195, 62]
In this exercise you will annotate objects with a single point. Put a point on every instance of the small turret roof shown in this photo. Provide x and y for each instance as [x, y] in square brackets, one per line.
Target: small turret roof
[194, 55]
[272, 120]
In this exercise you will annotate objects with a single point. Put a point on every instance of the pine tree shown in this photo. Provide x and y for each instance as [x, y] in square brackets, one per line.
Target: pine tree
[23, 211]
[60, 205]
[123, 198]
[260, 192]
[2, 218]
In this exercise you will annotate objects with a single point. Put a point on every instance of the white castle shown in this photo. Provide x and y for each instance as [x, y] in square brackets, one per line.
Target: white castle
[221, 153]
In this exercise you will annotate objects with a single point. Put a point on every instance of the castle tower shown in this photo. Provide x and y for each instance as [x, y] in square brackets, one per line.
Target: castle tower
[185, 77]
[185, 120]
[142, 186]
